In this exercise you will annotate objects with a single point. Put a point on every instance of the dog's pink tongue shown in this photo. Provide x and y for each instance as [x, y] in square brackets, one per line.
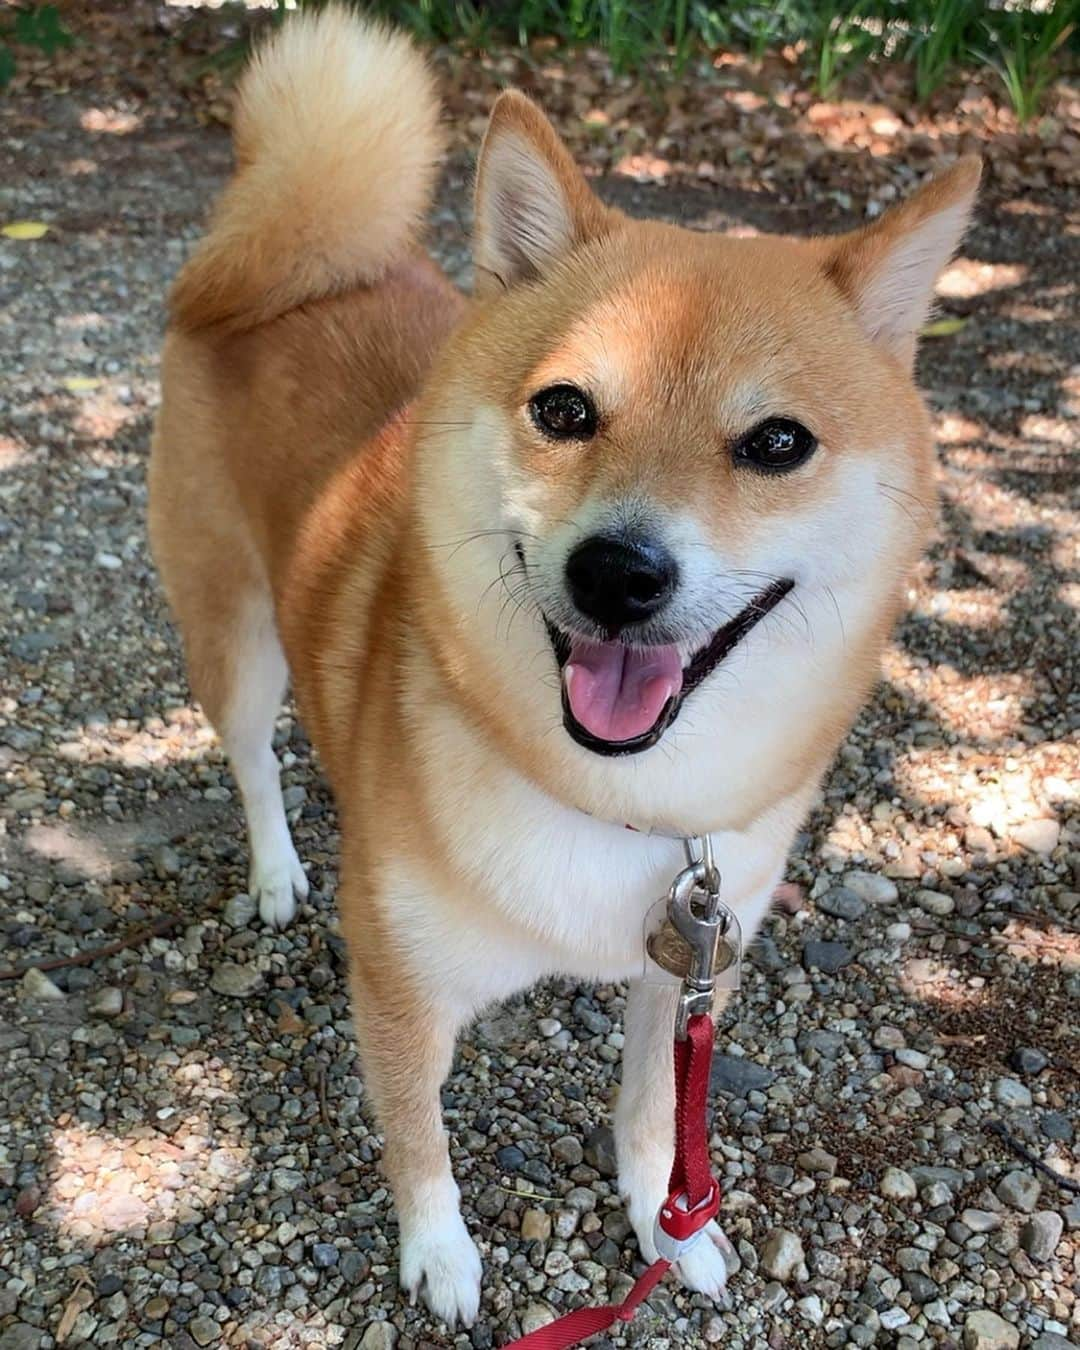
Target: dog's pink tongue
[616, 692]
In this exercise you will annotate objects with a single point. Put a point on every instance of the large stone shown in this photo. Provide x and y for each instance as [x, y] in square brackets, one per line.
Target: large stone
[980, 1220]
[897, 1184]
[1050, 1340]
[935, 902]
[107, 1002]
[21, 1336]
[1037, 836]
[379, 1336]
[810, 1310]
[600, 1151]
[1028, 1060]
[734, 1074]
[286, 1180]
[841, 903]
[818, 1160]
[871, 887]
[36, 987]
[1019, 1190]
[235, 981]
[985, 1330]
[535, 1316]
[204, 1330]
[827, 956]
[240, 910]
[782, 1254]
[535, 1225]
[1041, 1234]
[1011, 1092]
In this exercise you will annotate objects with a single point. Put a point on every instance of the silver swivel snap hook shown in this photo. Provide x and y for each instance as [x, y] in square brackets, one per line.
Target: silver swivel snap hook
[699, 938]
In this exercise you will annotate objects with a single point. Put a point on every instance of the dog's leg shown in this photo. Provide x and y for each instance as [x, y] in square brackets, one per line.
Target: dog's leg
[237, 672]
[645, 1133]
[246, 726]
[406, 1041]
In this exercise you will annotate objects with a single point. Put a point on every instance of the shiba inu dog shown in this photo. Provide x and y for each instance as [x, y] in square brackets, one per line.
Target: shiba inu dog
[615, 541]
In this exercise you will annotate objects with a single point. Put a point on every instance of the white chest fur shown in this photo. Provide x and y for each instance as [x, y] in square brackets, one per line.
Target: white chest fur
[544, 889]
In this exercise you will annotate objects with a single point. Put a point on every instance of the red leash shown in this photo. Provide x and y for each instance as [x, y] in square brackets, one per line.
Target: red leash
[694, 1197]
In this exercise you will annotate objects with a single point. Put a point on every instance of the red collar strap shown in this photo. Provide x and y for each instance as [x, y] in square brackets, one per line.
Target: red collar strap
[694, 1197]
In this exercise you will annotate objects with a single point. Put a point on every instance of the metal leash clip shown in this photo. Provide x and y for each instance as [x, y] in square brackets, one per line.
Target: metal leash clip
[701, 921]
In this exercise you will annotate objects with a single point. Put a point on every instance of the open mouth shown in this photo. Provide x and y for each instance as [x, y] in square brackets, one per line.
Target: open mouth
[619, 700]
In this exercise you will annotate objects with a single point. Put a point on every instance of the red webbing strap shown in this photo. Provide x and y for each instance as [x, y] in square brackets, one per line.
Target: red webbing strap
[584, 1322]
[691, 1173]
[692, 1170]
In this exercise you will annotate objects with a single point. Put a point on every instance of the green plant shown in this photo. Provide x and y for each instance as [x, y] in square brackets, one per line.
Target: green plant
[759, 27]
[838, 39]
[654, 38]
[940, 39]
[1024, 50]
[39, 26]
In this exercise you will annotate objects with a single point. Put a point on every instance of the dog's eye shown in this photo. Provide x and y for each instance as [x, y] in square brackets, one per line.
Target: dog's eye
[564, 411]
[775, 446]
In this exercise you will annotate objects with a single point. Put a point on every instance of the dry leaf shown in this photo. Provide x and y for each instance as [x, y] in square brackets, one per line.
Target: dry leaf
[80, 1299]
[288, 1024]
[25, 229]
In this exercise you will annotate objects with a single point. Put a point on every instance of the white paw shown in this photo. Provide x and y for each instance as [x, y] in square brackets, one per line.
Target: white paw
[441, 1265]
[705, 1267]
[277, 883]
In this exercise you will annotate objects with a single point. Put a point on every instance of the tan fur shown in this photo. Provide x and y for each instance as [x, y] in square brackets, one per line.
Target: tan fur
[316, 367]
[338, 127]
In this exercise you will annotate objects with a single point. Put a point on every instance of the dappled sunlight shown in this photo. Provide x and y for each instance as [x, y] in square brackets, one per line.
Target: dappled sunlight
[78, 167]
[78, 850]
[976, 607]
[993, 508]
[1056, 430]
[13, 453]
[103, 1186]
[110, 121]
[941, 984]
[966, 278]
[101, 414]
[180, 738]
[1010, 799]
[284, 1330]
[952, 428]
[1042, 945]
[964, 704]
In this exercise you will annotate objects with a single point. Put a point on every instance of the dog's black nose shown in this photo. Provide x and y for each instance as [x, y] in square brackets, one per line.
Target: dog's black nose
[616, 582]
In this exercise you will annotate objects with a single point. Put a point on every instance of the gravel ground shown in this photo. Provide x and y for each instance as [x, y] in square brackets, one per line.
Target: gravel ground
[185, 1157]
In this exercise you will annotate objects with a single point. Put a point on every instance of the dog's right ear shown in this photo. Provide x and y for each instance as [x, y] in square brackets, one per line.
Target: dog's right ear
[532, 203]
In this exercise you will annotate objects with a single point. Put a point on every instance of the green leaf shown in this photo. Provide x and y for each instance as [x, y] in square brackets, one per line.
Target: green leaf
[944, 327]
[42, 27]
[24, 229]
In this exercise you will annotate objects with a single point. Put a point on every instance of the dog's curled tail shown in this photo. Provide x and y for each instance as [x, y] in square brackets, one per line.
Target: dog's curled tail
[337, 139]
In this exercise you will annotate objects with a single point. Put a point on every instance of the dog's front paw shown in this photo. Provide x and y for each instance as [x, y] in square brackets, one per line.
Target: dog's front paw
[442, 1266]
[277, 882]
[705, 1267]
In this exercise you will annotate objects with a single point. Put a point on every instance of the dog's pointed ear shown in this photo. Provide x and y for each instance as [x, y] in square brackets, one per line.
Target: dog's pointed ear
[532, 203]
[888, 269]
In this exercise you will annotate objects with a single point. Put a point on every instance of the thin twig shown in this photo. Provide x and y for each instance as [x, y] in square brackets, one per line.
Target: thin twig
[1047, 671]
[161, 925]
[324, 1112]
[1066, 1183]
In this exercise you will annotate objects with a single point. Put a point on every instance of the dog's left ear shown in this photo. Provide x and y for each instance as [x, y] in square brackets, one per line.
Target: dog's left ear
[888, 269]
[533, 205]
